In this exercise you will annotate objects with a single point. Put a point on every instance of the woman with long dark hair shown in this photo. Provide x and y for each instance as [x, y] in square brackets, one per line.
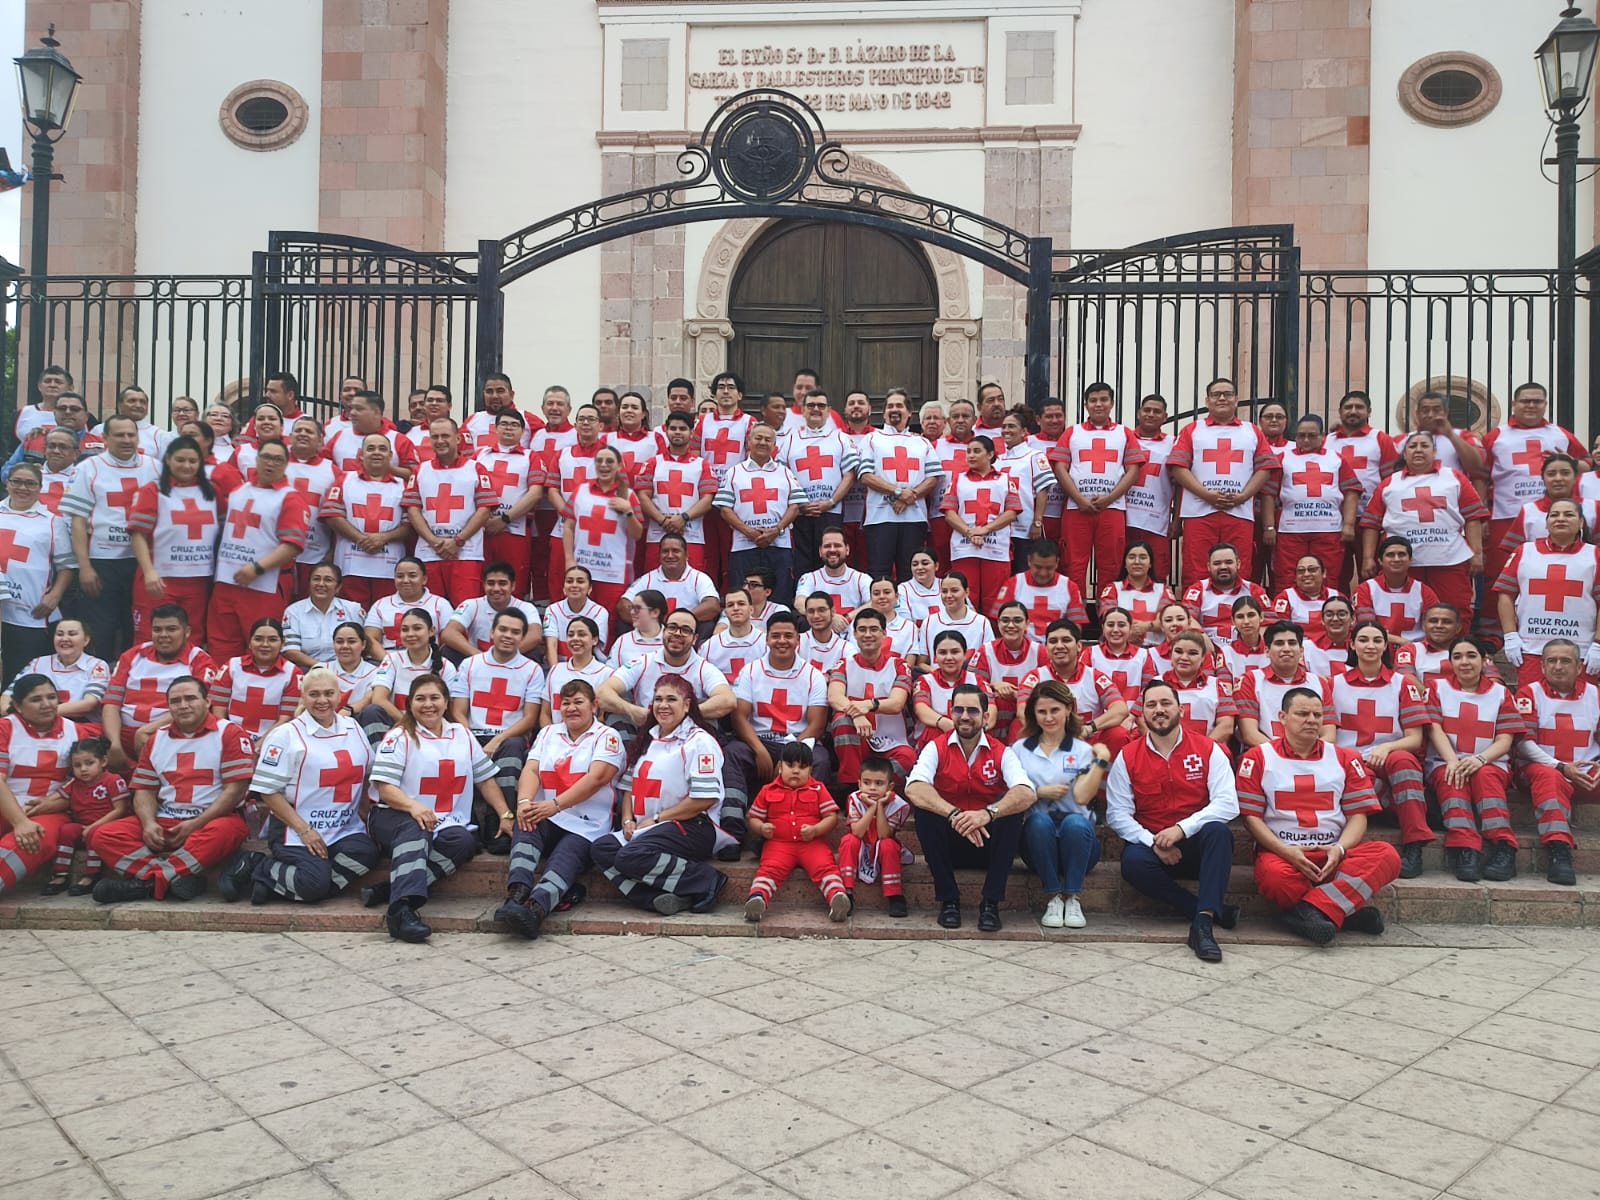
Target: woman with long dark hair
[174, 524]
[419, 654]
[671, 800]
[35, 750]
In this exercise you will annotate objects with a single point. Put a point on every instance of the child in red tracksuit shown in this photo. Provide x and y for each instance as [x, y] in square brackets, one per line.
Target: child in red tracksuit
[795, 814]
[869, 847]
[90, 798]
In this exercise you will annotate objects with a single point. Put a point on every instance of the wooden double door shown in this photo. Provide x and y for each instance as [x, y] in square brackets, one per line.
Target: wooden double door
[855, 303]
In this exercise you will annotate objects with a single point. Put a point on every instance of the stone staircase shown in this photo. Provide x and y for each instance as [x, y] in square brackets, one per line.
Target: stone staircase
[466, 902]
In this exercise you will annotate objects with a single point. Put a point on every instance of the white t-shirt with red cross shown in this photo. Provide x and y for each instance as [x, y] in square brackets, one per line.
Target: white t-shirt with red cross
[34, 545]
[34, 763]
[257, 697]
[387, 612]
[779, 700]
[1259, 695]
[372, 506]
[1516, 456]
[902, 459]
[1149, 499]
[728, 652]
[496, 691]
[102, 493]
[1556, 593]
[759, 496]
[1304, 801]
[447, 497]
[676, 485]
[1222, 458]
[819, 459]
[564, 759]
[978, 500]
[1431, 511]
[1471, 720]
[188, 771]
[509, 473]
[1559, 728]
[1097, 457]
[1045, 602]
[721, 440]
[689, 589]
[343, 449]
[182, 527]
[139, 684]
[1381, 709]
[439, 770]
[600, 539]
[321, 770]
[257, 521]
[1399, 611]
[1311, 491]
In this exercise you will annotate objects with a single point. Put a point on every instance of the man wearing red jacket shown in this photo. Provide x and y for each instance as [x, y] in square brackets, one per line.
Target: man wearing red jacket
[1170, 796]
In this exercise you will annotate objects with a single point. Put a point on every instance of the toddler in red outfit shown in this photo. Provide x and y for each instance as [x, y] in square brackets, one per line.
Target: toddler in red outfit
[795, 814]
[870, 849]
[93, 796]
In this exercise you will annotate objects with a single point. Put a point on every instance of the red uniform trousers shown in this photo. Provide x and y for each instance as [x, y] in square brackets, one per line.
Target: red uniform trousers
[938, 541]
[1453, 585]
[1292, 547]
[512, 548]
[885, 850]
[364, 591]
[1479, 803]
[696, 554]
[192, 595]
[778, 859]
[16, 863]
[539, 582]
[121, 844]
[1552, 794]
[1160, 551]
[1399, 787]
[849, 751]
[1366, 868]
[67, 843]
[1113, 739]
[719, 544]
[1100, 535]
[1200, 534]
[233, 609]
[985, 578]
[1494, 561]
[457, 580]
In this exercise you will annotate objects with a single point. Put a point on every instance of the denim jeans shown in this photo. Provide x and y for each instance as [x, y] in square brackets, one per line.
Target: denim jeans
[1061, 847]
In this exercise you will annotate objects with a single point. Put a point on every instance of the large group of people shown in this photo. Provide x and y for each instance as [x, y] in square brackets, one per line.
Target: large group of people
[584, 643]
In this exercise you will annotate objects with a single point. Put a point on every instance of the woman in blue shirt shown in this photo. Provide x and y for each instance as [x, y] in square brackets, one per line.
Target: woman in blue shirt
[1058, 835]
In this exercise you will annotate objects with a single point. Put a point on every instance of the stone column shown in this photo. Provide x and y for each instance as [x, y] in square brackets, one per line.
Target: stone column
[957, 359]
[708, 352]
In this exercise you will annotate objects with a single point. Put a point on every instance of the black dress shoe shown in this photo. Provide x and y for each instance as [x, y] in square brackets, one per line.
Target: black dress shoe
[708, 901]
[1469, 865]
[1411, 859]
[233, 882]
[261, 894]
[1365, 920]
[374, 895]
[728, 853]
[950, 915]
[116, 890]
[1202, 942]
[187, 887]
[988, 917]
[1310, 923]
[897, 906]
[1502, 862]
[1558, 864]
[404, 925]
[1227, 916]
[520, 918]
[499, 845]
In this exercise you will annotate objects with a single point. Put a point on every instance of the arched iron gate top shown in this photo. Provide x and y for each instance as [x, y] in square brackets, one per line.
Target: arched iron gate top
[764, 153]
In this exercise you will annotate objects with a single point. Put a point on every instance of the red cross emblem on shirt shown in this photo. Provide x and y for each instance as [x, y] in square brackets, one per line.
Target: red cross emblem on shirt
[1424, 502]
[813, 462]
[496, 702]
[244, 517]
[1530, 457]
[254, 711]
[1042, 611]
[1313, 478]
[900, 464]
[956, 463]
[1469, 730]
[1099, 455]
[644, 787]
[1222, 457]
[723, 447]
[1567, 741]
[344, 777]
[10, 552]
[1398, 618]
[598, 522]
[673, 488]
[43, 774]
[186, 777]
[123, 496]
[778, 711]
[500, 474]
[444, 787]
[443, 504]
[1358, 462]
[302, 484]
[373, 512]
[981, 508]
[50, 497]
[1555, 588]
[558, 777]
[757, 495]
[193, 517]
[145, 697]
[1148, 470]
[1305, 801]
[1366, 722]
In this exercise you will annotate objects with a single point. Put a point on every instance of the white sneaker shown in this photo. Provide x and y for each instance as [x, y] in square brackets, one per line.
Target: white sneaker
[1072, 916]
[1055, 914]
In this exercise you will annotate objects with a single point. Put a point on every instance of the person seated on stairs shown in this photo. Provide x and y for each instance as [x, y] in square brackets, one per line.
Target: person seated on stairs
[1306, 804]
[970, 792]
[1169, 797]
[795, 814]
[1560, 751]
[870, 850]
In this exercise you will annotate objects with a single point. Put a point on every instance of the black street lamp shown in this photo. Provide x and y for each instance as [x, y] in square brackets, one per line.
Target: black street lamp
[1566, 70]
[48, 87]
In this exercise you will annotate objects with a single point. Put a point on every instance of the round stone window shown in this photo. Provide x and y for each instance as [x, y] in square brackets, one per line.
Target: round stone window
[263, 114]
[1453, 88]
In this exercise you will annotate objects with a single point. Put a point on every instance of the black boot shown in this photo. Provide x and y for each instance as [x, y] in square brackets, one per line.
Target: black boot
[187, 887]
[1558, 864]
[1411, 859]
[988, 917]
[1202, 941]
[1227, 916]
[1502, 862]
[519, 915]
[114, 889]
[233, 883]
[403, 923]
[950, 914]
[1310, 923]
[376, 894]
[707, 902]
[1469, 865]
[1365, 920]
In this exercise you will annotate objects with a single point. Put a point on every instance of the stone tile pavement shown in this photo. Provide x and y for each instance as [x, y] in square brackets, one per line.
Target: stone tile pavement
[314, 1066]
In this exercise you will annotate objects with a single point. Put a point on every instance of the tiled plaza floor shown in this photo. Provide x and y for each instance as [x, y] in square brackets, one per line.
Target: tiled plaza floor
[177, 1066]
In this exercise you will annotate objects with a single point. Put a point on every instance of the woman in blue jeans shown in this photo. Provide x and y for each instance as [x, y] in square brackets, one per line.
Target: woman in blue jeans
[1058, 835]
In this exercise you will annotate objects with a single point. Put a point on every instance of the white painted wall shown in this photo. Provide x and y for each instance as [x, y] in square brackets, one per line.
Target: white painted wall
[1154, 93]
[204, 203]
[1471, 195]
[522, 107]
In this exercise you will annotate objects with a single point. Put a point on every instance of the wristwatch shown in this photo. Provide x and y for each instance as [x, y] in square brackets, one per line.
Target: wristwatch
[993, 810]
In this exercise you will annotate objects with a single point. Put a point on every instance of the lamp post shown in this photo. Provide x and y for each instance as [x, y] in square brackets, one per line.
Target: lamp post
[1566, 69]
[48, 87]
